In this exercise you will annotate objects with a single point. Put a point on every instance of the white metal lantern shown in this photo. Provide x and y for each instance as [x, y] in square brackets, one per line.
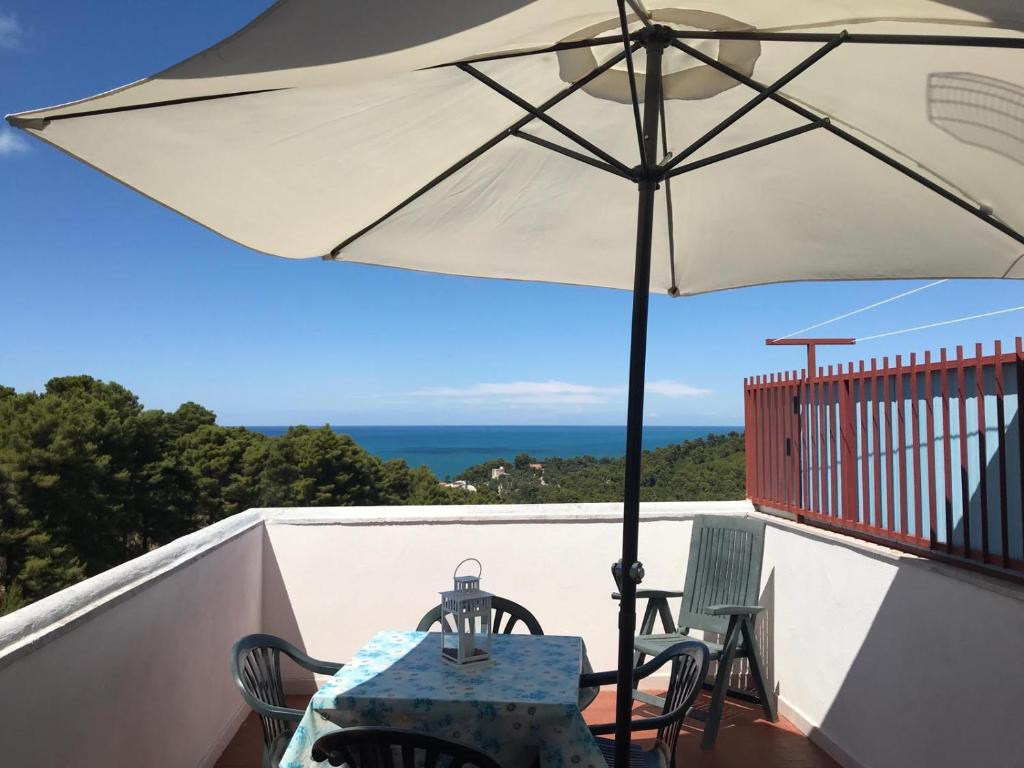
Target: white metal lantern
[466, 619]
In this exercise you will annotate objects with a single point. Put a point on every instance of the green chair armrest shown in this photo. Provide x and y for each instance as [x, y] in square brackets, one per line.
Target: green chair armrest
[593, 679]
[733, 610]
[639, 673]
[316, 665]
[656, 593]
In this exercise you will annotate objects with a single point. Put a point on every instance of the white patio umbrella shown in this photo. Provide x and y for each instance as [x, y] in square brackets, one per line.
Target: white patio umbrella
[509, 139]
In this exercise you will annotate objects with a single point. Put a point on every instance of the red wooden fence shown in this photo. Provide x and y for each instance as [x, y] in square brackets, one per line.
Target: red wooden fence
[924, 455]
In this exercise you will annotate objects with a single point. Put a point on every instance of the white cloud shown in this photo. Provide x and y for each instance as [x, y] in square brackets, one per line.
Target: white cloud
[668, 388]
[523, 393]
[512, 388]
[11, 143]
[11, 32]
[551, 392]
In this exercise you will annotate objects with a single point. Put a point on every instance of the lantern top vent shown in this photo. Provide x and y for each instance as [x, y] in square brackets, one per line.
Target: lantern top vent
[466, 587]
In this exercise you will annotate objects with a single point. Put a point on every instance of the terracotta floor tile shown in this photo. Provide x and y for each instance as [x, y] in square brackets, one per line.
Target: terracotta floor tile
[744, 739]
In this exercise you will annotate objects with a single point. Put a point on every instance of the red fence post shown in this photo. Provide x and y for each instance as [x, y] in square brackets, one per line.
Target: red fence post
[848, 442]
[1004, 534]
[890, 481]
[915, 427]
[901, 437]
[865, 452]
[933, 526]
[965, 490]
[979, 381]
[947, 451]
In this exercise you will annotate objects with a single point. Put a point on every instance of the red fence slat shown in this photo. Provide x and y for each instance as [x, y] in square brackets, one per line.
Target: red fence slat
[965, 488]
[915, 428]
[979, 380]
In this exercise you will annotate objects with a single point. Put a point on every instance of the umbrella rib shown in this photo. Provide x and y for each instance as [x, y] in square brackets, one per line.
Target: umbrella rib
[544, 117]
[633, 95]
[971, 41]
[641, 13]
[744, 148]
[570, 153]
[30, 122]
[978, 211]
[673, 289]
[567, 45]
[490, 143]
[761, 97]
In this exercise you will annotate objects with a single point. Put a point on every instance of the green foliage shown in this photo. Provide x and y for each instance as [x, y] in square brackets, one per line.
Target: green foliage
[89, 479]
[711, 468]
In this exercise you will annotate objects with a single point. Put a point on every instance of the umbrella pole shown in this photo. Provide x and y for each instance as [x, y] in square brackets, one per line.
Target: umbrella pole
[629, 569]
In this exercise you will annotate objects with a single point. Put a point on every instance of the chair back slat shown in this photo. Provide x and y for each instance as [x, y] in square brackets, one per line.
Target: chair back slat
[373, 747]
[256, 669]
[687, 675]
[724, 568]
[503, 610]
[261, 673]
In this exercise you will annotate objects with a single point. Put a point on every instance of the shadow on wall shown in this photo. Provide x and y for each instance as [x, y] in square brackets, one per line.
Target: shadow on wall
[279, 619]
[928, 686]
[997, 480]
[764, 630]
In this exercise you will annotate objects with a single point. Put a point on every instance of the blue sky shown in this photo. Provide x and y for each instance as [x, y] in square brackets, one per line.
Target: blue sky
[95, 279]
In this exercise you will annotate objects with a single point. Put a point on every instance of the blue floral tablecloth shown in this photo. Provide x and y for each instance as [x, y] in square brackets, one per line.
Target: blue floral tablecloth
[519, 706]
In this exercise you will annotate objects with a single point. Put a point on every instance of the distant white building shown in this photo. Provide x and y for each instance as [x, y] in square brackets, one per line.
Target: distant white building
[497, 472]
[459, 484]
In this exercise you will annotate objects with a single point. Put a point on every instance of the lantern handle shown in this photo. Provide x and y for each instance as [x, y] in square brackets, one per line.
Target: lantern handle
[480, 568]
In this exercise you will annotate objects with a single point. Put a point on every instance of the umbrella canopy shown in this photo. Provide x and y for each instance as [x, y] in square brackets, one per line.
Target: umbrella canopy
[322, 128]
[508, 138]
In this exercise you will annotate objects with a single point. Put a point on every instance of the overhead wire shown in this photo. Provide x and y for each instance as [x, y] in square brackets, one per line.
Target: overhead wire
[943, 322]
[863, 309]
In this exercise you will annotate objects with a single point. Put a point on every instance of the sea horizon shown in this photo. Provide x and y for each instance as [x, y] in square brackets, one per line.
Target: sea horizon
[449, 450]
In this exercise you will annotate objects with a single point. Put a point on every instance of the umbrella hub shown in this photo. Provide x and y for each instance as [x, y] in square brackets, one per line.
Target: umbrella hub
[655, 35]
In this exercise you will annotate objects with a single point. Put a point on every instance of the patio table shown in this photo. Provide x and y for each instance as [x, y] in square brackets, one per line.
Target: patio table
[520, 705]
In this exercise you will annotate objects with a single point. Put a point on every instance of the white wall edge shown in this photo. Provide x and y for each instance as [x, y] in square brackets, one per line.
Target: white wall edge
[815, 734]
[225, 737]
[45, 620]
[898, 557]
[497, 513]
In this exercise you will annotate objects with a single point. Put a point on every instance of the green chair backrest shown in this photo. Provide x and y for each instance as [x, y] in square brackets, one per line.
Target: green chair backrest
[724, 568]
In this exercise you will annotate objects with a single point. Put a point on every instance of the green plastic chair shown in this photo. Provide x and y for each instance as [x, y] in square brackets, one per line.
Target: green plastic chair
[720, 595]
[256, 668]
[690, 660]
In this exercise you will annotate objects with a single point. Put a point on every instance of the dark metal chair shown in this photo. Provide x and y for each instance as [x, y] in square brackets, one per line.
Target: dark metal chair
[506, 615]
[689, 661]
[720, 595]
[366, 747]
[256, 668]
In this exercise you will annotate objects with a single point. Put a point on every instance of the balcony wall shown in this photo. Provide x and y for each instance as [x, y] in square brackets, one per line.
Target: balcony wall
[131, 667]
[884, 659]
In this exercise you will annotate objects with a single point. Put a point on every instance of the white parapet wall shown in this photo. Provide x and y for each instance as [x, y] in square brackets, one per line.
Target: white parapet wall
[889, 660]
[130, 668]
[336, 576]
[883, 658]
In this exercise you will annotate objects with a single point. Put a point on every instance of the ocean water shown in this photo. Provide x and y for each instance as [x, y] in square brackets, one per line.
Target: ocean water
[449, 450]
